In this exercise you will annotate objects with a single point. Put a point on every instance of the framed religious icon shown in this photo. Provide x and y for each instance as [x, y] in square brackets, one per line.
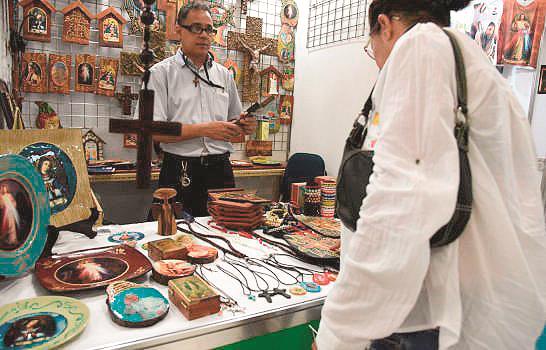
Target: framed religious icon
[24, 215]
[38, 13]
[60, 67]
[93, 146]
[270, 81]
[286, 43]
[111, 28]
[107, 76]
[288, 78]
[286, 109]
[129, 141]
[542, 81]
[76, 23]
[58, 157]
[44, 322]
[233, 68]
[85, 73]
[90, 269]
[34, 72]
[289, 13]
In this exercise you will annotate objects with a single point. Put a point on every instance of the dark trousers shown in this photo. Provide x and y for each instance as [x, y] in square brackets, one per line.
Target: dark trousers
[205, 173]
[423, 340]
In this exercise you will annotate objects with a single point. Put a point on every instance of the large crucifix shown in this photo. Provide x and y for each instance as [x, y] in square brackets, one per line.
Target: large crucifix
[253, 45]
[145, 126]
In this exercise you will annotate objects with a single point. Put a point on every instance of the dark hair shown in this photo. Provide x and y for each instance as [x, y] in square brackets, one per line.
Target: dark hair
[185, 10]
[415, 11]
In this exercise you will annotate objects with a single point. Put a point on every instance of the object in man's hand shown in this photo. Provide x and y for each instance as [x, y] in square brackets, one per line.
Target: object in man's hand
[199, 254]
[164, 212]
[167, 249]
[133, 305]
[194, 297]
[166, 270]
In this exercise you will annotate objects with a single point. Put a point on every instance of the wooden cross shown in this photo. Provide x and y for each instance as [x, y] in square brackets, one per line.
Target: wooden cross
[251, 40]
[125, 99]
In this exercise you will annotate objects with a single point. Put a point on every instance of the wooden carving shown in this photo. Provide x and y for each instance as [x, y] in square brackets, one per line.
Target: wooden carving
[125, 99]
[288, 78]
[111, 28]
[270, 79]
[259, 148]
[60, 67]
[107, 76]
[253, 45]
[286, 109]
[34, 72]
[85, 73]
[171, 10]
[93, 146]
[164, 212]
[37, 26]
[130, 61]
[286, 44]
[76, 23]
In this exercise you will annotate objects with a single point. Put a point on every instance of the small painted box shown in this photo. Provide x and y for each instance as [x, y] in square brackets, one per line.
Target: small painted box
[296, 193]
[164, 249]
[194, 297]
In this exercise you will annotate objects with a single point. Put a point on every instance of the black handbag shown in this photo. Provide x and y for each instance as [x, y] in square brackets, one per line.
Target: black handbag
[357, 165]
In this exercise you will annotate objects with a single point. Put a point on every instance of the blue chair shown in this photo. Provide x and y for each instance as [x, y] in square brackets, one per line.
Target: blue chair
[301, 167]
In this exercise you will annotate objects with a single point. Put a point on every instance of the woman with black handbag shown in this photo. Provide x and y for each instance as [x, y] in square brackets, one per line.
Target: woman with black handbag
[443, 242]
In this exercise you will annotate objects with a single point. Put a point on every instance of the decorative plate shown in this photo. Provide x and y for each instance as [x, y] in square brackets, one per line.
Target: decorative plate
[289, 13]
[126, 236]
[93, 268]
[266, 162]
[41, 323]
[57, 171]
[134, 305]
[328, 227]
[24, 215]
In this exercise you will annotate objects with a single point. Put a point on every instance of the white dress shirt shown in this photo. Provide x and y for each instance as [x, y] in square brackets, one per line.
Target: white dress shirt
[177, 99]
[487, 289]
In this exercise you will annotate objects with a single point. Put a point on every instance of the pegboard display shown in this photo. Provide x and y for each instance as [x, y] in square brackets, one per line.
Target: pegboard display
[91, 111]
[332, 21]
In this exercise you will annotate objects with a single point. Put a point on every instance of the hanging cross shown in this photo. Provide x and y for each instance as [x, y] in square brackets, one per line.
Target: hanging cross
[252, 44]
[195, 81]
[145, 126]
[125, 99]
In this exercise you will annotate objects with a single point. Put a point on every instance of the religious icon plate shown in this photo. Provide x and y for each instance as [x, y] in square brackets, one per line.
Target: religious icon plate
[107, 76]
[41, 323]
[133, 305]
[92, 268]
[24, 215]
[123, 237]
[34, 72]
[289, 13]
[85, 73]
[60, 67]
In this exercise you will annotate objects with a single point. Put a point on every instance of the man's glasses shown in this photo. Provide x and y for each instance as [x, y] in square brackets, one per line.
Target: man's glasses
[368, 49]
[197, 28]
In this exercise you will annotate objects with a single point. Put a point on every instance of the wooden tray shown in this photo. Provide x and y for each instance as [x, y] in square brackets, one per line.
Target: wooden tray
[91, 268]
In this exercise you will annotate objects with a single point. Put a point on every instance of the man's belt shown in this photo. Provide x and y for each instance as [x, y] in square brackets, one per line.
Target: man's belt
[203, 160]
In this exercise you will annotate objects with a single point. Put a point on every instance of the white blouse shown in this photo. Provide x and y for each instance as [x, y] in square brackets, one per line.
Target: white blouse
[487, 290]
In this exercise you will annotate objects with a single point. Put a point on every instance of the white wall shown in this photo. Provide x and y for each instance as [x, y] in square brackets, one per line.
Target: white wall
[331, 86]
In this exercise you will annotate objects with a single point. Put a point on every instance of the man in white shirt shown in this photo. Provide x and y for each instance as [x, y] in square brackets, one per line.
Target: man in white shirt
[192, 89]
[487, 289]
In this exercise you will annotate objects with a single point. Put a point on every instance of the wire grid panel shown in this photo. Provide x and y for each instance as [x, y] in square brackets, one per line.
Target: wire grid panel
[88, 110]
[332, 21]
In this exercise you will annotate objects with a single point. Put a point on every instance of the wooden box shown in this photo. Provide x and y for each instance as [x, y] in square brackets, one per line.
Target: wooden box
[164, 249]
[194, 297]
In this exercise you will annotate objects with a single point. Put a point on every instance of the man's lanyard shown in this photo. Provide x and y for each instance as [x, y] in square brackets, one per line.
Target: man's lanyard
[196, 73]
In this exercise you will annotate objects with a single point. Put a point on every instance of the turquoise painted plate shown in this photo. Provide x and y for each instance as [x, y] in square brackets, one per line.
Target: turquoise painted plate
[41, 323]
[136, 306]
[24, 215]
[122, 237]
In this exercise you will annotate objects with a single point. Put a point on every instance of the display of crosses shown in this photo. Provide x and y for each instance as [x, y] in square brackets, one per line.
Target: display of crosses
[125, 99]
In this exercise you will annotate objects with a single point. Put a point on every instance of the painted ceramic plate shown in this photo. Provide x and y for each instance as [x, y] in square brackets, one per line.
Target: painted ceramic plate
[57, 171]
[90, 269]
[122, 237]
[41, 323]
[24, 215]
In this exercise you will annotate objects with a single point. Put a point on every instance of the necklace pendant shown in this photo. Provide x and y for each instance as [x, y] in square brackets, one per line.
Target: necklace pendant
[195, 81]
[298, 290]
[310, 287]
[320, 279]
[185, 181]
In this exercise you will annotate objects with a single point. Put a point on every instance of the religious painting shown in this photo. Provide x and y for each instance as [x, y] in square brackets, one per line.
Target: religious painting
[34, 72]
[93, 146]
[76, 23]
[57, 156]
[38, 19]
[59, 73]
[92, 268]
[110, 28]
[107, 76]
[85, 73]
[193, 289]
[288, 78]
[289, 13]
[233, 68]
[270, 81]
[16, 214]
[33, 330]
[286, 109]
[129, 141]
[286, 44]
[521, 32]
[542, 81]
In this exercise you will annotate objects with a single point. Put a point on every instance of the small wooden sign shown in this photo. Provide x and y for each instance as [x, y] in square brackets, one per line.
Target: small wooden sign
[76, 23]
[34, 72]
[111, 28]
[60, 67]
[37, 26]
[107, 76]
[85, 73]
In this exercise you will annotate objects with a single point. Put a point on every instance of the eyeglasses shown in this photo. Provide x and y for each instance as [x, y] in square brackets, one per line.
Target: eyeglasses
[368, 48]
[197, 28]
